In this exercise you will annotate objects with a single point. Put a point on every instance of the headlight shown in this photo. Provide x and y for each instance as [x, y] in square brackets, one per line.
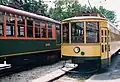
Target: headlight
[76, 49]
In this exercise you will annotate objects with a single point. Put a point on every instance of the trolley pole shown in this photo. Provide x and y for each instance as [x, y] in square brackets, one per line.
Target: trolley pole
[89, 4]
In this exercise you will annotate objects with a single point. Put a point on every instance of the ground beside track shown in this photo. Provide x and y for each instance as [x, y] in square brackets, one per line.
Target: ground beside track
[74, 77]
[113, 73]
[110, 75]
[27, 76]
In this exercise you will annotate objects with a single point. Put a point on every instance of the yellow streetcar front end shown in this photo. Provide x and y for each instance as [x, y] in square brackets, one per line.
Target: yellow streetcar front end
[84, 40]
[82, 53]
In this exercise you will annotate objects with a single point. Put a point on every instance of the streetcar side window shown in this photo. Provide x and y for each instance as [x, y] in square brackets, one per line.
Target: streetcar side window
[92, 32]
[37, 30]
[66, 33]
[21, 30]
[77, 32]
[43, 30]
[29, 27]
[105, 32]
[10, 26]
[102, 32]
[1, 24]
[1, 29]
[49, 30]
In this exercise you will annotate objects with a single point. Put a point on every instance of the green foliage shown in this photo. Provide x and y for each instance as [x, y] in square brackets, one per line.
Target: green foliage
[66, 8]
[4, 2]
[108, 14]
[35, 6]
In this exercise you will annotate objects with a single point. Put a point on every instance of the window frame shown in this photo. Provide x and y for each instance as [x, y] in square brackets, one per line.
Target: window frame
[10, 22]
[97, 31]
[30, 28]
[50, 30]
[82, 22]
[37, 30]
[19, 25]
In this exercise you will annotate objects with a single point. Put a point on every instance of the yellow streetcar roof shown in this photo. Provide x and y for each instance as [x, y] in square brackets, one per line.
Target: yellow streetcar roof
[84, 18]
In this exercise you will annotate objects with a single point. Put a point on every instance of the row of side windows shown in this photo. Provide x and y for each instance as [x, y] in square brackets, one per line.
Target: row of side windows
[42, 28]
[105, 38]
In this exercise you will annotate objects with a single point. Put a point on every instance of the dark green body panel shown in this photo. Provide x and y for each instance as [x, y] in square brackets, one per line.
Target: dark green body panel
[21, 46]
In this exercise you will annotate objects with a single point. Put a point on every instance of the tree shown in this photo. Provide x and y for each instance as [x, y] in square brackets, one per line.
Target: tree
[4, 2]
[34, 6]
[66, 8]
[108, 14]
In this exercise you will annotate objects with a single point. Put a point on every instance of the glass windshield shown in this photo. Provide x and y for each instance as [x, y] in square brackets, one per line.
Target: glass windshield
[66, 33]
[92, 32]
[77, 32]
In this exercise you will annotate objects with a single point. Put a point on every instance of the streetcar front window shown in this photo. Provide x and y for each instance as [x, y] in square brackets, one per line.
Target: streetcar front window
[92, 32]
[77, 32]
[66, 33]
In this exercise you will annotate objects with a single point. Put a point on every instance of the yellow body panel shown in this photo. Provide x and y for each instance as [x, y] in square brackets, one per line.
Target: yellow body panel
[90, 50]
[103, 24]
[104, 55]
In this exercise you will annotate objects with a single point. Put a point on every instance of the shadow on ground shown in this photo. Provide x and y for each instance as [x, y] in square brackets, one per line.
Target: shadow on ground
[113, 72]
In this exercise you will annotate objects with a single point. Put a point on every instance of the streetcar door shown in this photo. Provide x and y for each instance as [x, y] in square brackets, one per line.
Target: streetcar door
[105, 57]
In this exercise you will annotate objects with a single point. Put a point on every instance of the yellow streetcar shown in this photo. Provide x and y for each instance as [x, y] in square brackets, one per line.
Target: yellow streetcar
[89, 38]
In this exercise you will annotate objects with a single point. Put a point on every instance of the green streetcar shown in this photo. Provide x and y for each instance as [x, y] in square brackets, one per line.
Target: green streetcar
[27, 37]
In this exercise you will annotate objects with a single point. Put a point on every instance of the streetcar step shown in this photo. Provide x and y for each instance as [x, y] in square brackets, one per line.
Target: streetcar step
[5, 66]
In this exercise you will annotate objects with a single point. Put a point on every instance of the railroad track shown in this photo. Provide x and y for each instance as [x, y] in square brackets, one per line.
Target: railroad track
[101, 75]
[56, 70]
[55, 74]
[68, 71]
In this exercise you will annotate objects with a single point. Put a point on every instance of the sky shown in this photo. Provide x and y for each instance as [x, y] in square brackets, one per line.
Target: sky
[113, 5]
